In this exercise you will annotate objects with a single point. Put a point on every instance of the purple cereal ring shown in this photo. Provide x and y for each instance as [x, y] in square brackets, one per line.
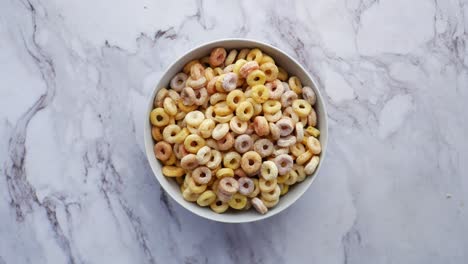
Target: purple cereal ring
[286, 141]
[243, 143]
[309, 95]
[229, 82]
[284, 162]
[286, 126]
[287, 98]
[246, 185]
[264, 147]
[178, 81]
[202, 175]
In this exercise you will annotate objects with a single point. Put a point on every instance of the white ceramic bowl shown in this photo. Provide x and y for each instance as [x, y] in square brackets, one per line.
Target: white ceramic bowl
[281, 59]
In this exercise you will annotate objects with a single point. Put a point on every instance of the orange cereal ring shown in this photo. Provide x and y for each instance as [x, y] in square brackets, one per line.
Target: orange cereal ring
[251, 162]
[217, 57]
[162, 150]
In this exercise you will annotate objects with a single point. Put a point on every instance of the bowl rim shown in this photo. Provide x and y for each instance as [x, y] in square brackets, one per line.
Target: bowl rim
[147, 135]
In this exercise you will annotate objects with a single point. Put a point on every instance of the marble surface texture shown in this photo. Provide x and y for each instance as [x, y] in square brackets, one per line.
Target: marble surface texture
[75, 77]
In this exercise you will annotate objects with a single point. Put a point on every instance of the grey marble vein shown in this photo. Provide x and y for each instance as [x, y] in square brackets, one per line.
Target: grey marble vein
[76, 187]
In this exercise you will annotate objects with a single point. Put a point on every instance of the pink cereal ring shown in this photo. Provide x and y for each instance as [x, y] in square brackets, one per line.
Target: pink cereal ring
[286, 141]
[243, 143]
[188, 96]
[276, 89]
[178, 81]
[229, 82]
[228, 185]
[247, 68]
[264, 147]
[274, 131]
[189, 162]
[217, 57]
[246, 185]
[309, 95]
[299, 131]
[287, 98]
[285, 126]
[284, 162]
[201, 96]
[259, 205]
[261, 126]
[162, 150]
[239, 173]
[226, 142]
[201, 175]
[211, 86]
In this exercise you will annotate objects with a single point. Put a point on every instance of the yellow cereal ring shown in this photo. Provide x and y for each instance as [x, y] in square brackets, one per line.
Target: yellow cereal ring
[271, 107]
[223, 119]
[159, 117]
[218, 71]
[219, 206]
[186, 108]
[206, 128]
[171, 161]
[209, 73]
[267, 59]
[270, 204]
[267, 185]
[258, 108]
[193, 143]
[217, 97]
[188, 195]
[170, 106]
[189, 65]
[297, 149]
[282, 178]
[260, 93]
[180, 137]
[222, 109]
[238, 201]
[270, 70]
[232, 160]
[256, 190]
[304, 157]
[219, 83]
[234, 98]
[295, 84]
[314, 145]
[195, 187]
[231, 57]
[244, 111]
[284, 189]
[156, 133]
[313, 131]
[271, 195]
[172, 171]
[238, 65]
[170, 132]
[301, 107]
[282, 74]
[194, 118]
[206, 198]
[256, 77]
[243, 54]
[224, 172]
[255, 55]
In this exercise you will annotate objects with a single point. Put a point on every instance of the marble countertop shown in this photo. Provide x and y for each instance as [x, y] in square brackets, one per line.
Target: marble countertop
[75, 185]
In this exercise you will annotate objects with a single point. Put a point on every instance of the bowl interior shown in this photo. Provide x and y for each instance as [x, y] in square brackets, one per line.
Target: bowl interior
[281, 59]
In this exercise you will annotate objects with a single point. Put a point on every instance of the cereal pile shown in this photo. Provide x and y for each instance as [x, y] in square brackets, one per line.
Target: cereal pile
[233, 133]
